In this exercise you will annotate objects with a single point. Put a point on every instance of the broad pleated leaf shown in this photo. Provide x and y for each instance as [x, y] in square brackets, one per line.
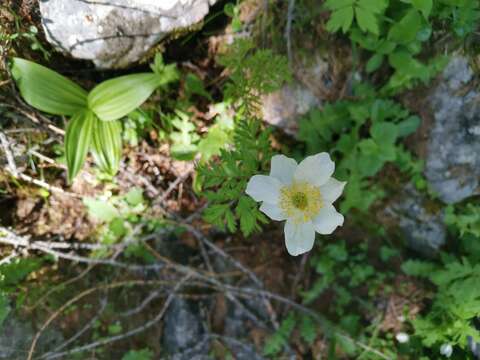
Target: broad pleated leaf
[107, 145]
[115, 98]
[46, 90]
[77, 141]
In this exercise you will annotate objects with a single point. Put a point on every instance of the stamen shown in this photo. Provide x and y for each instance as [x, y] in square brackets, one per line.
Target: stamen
[300, 201]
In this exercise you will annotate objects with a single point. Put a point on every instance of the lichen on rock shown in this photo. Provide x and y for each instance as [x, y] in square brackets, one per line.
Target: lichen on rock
[116, 33]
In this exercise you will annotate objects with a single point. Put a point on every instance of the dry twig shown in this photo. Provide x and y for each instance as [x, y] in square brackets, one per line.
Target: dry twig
[288, 29]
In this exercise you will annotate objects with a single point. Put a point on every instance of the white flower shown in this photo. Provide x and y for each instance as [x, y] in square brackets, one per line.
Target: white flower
[301, 194]
[446, 350]
[402, 337]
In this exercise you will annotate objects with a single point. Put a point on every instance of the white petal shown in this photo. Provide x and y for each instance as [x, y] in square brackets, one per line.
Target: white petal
[264, 188]
[283, 168]
[299, 238]
[315, 169]
[332, 190]
[446, 350]
[273, 211]
[327, 220]
[402, 337]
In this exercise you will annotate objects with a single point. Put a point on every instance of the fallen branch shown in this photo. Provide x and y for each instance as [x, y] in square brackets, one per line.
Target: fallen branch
[10, 238]
[173, 185]
[12, 169]
[288, 29]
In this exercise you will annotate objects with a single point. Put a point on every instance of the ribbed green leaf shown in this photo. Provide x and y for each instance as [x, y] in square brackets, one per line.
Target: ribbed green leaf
[77, 141]
[47, 90]
[107, 145]
[115, 98]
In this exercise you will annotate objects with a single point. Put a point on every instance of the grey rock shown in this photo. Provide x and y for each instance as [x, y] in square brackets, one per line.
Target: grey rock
[243, 314]
[241, 350]
[423, 229]
[284, 107]
[235, 322]
[116, 33]
[452, 165]
[197, 352]
[16, 336]
[184, 332]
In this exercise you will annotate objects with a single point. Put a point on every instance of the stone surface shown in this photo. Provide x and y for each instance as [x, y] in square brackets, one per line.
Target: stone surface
[16, 336]
[183, 330]
[116, 33]
[423, 228]
[284, 107]
[452, 165]
[242, 351]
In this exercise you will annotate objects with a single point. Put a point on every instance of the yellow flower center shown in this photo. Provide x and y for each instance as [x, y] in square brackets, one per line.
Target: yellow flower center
[300, 201]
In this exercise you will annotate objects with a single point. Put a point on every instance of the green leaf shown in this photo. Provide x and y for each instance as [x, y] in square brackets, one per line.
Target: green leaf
[366, 20]
[13, 273]
[115, 98]
[346, 344]
[401, 60]
[245, 211]
[4, 308]
[384, 133]
[425, 33]
[229, 10]
[419, 268]
[404, 62]
[338, 4]
[280, 338]
[408, 126]
[184, 141]
[308, 329]
[405, 30]
[387, 253]
[236, 24]
[372, 161]
[215, 214]
[77, 141]
[115, 329]
[213, 142]
[117, 228]
[134, 197]
[46, 90]
[375, 62]
[194, 85]
[230, 220]
[425, 6]
[386, 47]
[107, 145]
[341, 19]
[373, 6]
[144, 354]
[101, 210]
[166, 73]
